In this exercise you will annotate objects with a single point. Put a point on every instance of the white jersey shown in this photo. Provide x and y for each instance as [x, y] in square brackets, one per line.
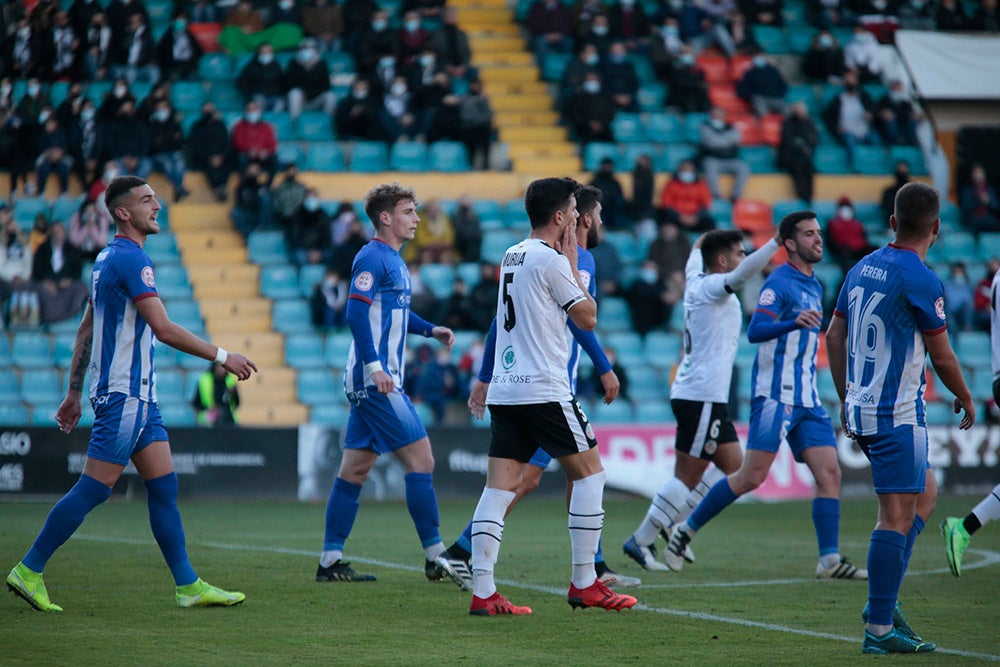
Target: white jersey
[995, 323]
[537, 289]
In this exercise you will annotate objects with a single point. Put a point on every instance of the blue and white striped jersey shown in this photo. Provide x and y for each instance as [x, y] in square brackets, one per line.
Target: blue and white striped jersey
[785, 367]
[889, 300]
[587, 267]
[380, 278]
[122, 357]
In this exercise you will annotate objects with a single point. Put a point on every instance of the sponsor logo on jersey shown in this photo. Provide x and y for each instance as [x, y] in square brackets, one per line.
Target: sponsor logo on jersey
[507, 358]
[148, 277]
[939, 307]
[363, 281]
[767, 297]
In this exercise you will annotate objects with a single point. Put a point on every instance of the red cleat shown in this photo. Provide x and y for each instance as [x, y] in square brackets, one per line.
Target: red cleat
[599, 595]
[496, 605]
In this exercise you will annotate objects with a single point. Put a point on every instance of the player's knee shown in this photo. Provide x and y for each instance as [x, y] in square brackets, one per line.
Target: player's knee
[528, 484]
[828, 481]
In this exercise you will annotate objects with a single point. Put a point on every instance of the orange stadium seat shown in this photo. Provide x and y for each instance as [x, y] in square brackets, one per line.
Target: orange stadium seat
[207, 35]
[724, 95]
[739, 65]
[715, 67]
[750, 134]
[753, 216]
[770, 129]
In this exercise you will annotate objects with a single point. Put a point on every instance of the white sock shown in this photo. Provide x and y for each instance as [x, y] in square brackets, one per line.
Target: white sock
[434, 551]
[667, 504]
[586, 518]
[328, 558]
[697, 494]
[487, 533]
[829, 560]
[989, 508]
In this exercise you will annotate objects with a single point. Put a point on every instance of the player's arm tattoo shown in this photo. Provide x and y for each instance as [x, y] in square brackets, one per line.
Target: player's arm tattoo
[81, 352]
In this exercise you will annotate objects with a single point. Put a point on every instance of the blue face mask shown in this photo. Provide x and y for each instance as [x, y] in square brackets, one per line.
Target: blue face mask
[617, 58]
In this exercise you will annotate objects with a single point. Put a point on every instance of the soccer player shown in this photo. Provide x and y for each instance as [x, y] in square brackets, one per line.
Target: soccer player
[530, 401]
[115, 340]
[382, 419]
[957, 532]
[717, 267]
[890, 314]
[784, 402]
[588, 235]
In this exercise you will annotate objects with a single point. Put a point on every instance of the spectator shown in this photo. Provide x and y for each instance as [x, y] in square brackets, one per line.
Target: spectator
[358, 16]
[434, 240]
[591, 112]
[119, 14]
[82, 132]
[127, 142]
[951, 16]
[829, 13]
[114, 99]
[245, 30]
[22, 51]
[468, 230]
[216, 398]
[711, 30]
[641, 207]
[97, 188]
[343, 218]
[52, 147]
[763, 12]
[251, 203]
[309, 233]
[902, 176]
[720, 154]
[763, 87]
[979, 203]
[178, 52]
[397, 114]
[412, 39]
[329, 302]
[986, 18]
[622, 80]
[455, 312]
[60, 47]
[650, 302]
[322, 20]
[428, 9]
[550, 23]
[849, 117]
[166, 147]
[98, 47]
[483, 298]
[15, 150]
[203, 11]
[56, 268]
[308, 80]
[915, 15]
[476, 119]
[423, 70]
[864, 55]
[288, 198]
[137, 54]
[686, 200]
[743, 40]
[612, 195]
[983, 298]
[16, 255]
[630, 24]
[287, 12]
[342, 257]
[375, 42]
[356, 116]
[597, 387]
[824, 61]
[670, 250]
[958, 298]
[254, 141]
[452, 44]
[438, 110]
[584, 13]
[262, 81]
[80, 14]
[7, 102]
[609, 269]
[587, 61]
[160, 93]
[897, 116]
[666, 47]
[434, 380]
[88, 230]
[688, 88]
[845, 235]
[600, 35]
[799, 138]
[209, 148]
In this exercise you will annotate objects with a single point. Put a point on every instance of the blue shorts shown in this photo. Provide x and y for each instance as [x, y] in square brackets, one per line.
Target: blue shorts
[123, 426]
[541, 459]
[772, 421]
[899, 459]
[382, 422]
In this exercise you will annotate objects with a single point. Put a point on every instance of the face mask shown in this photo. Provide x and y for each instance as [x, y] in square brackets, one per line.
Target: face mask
[120, 91]
[718, 123]
[671, 31]
[760, 61]
[399, 89]
[591, 59]
[87, 114]
[266, 58]
[24, 33]
[427, 60]
[162, 115]
[826, 41]
[386, 62]
[286, 4]
[687, 59]
[600, 30]
[180, 24]
[6, 89]
[879, 4]
[253, 116]
[648, 276]
[686, 176]
[34, 89]
[917, 4]
[44, 116]
[311, 204]
[306, 55]
[412, 26]
[379, 25]
[110, 175]
[627, 3]
[845, 212]
[592, 87]
[676, 5]
[360, 94]
[617, 58]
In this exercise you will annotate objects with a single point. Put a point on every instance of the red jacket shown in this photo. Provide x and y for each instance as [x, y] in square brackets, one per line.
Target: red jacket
[257, 136]
[686, 198]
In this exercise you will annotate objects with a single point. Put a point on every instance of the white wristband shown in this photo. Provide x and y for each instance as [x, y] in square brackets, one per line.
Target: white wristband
[221, 356]
[373, 367]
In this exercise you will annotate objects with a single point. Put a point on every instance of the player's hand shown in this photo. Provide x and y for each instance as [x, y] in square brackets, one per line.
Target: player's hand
[477, 398]
[68, 414]
[444, 335]
[611, 387]
[809, 319]
[383, 382]
[239, 366]
[567, 244]
[843, 422]
[969, 418]
[697, 243]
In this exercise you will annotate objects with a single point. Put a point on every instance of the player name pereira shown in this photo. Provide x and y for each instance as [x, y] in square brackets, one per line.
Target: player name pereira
[513, 259]
[869, 271]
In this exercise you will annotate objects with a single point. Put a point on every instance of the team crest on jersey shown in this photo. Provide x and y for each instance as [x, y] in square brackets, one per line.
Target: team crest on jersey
[767, 297]
[507, 358]
[147, 276]
[585, 277]
[364, 281]
[939, 307]
[710, 447]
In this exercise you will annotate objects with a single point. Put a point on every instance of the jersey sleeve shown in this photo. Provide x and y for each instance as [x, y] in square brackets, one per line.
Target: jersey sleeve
[135, 270]
[769, 301]
[562, 285]
[840, 309]
[366, 275]
[925, 295]
[695, 265]
[588, 270]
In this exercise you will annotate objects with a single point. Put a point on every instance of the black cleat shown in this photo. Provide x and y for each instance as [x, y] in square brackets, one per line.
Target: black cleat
[341, 571]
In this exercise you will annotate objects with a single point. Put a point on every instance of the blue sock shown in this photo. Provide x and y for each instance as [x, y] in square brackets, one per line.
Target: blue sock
[885, 570]
[422, 503]
[465, 539]
[64, 518]
[911, 538]
[165, 520]
[599, 556]
[718, 498]
[826, 520]
[341, 510]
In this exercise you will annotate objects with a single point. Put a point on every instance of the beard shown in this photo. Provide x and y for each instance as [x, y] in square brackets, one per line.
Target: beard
[593, 237]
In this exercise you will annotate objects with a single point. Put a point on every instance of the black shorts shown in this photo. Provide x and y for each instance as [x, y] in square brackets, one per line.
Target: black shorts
[701, 427]
[560, 428]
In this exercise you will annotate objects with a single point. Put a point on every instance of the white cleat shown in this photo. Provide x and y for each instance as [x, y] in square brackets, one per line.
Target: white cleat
[457, 569]
[618, 580]
[842, 570]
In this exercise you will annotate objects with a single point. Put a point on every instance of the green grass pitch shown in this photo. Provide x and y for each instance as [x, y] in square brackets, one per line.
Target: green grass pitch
[751, 598]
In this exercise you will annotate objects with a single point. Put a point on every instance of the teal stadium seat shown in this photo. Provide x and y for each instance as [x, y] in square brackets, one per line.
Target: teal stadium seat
[96, 90]
[63, 207]
[226, 96]
[665, 127]
[673, 155]
[939, 414]
[314, 126]
[333, 415]
[760, 159]
[13, 414]
[317, 386]
[162, 249]
[804, 92]
[800, 39]
[290, 152]
[31, 349]
[41, 385]
[651, 96]
[180, 414]
[10, 391]
[304, 350]
[62, 349]
[448, 157]
[326, 156]
[772, 39]
[339, 62]
[643, 68]
[626, 344]
[172, 282]
[628, 128]
[369, 156]
[186, 313]
[338, 345]
[437, 278]
[309, 276]
[279, 281]
[281, 121]
[469, 272]
[613, 314]
[553, 65]
[911, 154]
[291, 316]
[515, 217]
[722, 212]
[653, 412]
[58, 91]
[662, 349]
[619, 412]
[187, 95]
[5, 359]
[495, 244]
[831, 160]
[170, 387]
[596, 151]
[871, 160]
[267, 247]
[490, 213]
[692, 126]
[44, 414]
[408, 156]
[27, 208]
[644, 383]
[973, 349]
[629, 153]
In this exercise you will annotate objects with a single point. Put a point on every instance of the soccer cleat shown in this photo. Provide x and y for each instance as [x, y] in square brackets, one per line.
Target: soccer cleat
[894, 642]
[28, 585]
[456, 568]
[898, 623]
[433, 571]
[341, 571]
[842, 570]
[496, 605]
[956, 539]
[203, 594]
[688, 554]
[598, 595]
[612, 579]
[644, 556]
[676, 546]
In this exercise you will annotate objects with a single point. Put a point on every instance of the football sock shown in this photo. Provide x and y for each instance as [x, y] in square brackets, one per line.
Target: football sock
[885, 570]
[464, 541]
[663, 511]
[487, 533]
[165, 520]
[599, 556]
[717, 499]
[911, 538]
[586, 518]
[987, 510]
[64, 518]
[826, 521]
[341, 510]
[421, 501]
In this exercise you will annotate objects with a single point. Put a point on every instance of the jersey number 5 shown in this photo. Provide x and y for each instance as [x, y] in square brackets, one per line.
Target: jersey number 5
[509, 318]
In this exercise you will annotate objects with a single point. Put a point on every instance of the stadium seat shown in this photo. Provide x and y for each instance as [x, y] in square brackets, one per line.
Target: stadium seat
[724, 95]
[715, 67]
[911, 154]
[304, 350]
[43, 414]
[662, 349]
[5, 359]
[651, 96]
[62, 349]
[653, 412]
[806, 93]
[309, 275]
[770, 129]
[613, 315]
[437, 278]
[289, 153]
[325, 156]
[408, 156]
[180, 414]
[291, 316]
[665, 127]
[96, 90]
[172, 282]
[760, 159]
[495, 244]
[629, 154]
[187, 95]
[672, 156]
[369, 156]
[489, 211]
[628, 128]
[215, 67]
[469, 272]
[772, 39]
[626, 344]
[267, 247]
[338, 345]
[64, 207]
[31, 349]
[58, 91]
[748, 127]
[10, 390]
[170, 387]
[831, 160]
[13, 414]
[333, 415]
[644, 382]
[870, 160]
[281, 121]
[722, 213]
[317, 386]
[739, 65]
[279, 281]
[448, 156]
[692, 126]
[226, 96]
[314, 126]
[465, 340]
[27, 208]
[186, 313]
[41, 385]
[596, 151]
[752, 216]
[553, 65]
[619, 412]
[643, 68]
[515, 217]
[162, 249]
[940, 414]
[339, 62]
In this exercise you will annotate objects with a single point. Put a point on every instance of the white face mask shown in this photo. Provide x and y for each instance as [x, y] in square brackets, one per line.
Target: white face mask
[427, 60]
[311, 204]
[162, 115]
[110, 175]
[120, 91]
[360, 94]
[87, 114]
[34, 89]
[648, 276]
[600, 30]
[266, 58]
[718, 123]
[399, 89]
[686, 176]
[6, 90]
[44, 116]
[286, 4]
[386, 63]
[592, 86]
[253, 116]
[412, 26]
[845, 212]
[306, 55]
[379, 25]
[826, 41]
